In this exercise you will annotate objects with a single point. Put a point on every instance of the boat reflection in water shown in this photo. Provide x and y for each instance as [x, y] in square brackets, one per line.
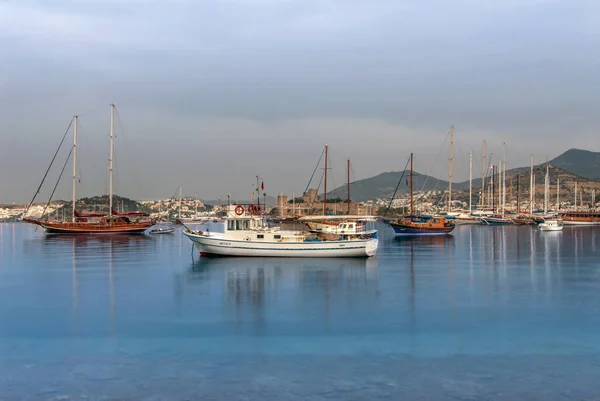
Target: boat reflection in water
[263, 291]
[427, 240]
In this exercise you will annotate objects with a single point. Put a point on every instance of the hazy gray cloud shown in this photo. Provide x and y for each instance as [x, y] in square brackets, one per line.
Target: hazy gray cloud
[215, 92]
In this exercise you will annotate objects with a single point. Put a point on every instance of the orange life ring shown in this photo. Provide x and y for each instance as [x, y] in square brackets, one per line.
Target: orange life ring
[239, 210]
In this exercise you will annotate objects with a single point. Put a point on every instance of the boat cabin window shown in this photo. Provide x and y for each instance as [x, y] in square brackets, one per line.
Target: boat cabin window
[246, 224]
[277, 236]
[231, 225]
[435, 221]
[260, 236]
[239, 225]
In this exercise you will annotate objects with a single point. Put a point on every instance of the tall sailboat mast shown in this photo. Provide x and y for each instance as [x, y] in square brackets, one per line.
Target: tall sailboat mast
[348, 186]
[531, 189]
[483, 170]
[75, 120]
[470, 181]
[503, 175]
[325, 188]
[546, 187]
[110, 160]
[450, 173]
[518, 187]
[558, 195]
[493, 191]
[411, 184]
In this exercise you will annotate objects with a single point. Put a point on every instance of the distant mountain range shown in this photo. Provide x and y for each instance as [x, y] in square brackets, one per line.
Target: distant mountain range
[583, 163]
[573, 165]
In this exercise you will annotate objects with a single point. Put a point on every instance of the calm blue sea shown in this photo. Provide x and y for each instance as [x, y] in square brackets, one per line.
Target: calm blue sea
[489, 313]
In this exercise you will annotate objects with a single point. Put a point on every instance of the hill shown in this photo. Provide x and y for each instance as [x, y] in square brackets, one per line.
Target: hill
[384, 184]
[583, 163]
[99, 204]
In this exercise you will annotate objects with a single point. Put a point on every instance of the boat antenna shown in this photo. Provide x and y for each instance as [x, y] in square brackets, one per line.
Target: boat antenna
[397, 186]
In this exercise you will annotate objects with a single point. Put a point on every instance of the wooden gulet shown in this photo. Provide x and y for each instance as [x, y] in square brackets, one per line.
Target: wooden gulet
[418, 224]
[110, 223]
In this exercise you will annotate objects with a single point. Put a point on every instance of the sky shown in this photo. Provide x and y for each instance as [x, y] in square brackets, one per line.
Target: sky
[212, 93]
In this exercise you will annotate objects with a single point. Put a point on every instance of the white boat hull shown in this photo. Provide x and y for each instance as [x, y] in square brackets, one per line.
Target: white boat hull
[216, 245]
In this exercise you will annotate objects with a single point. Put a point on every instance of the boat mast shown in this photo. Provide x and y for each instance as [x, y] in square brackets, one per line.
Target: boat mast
[348, 187]
[325, 188]
[493, 192]
[75, 119]
[450, 174]
[503, 176]
[411, 184]
[500, 186]
[510, 191]
[483, 169]
[180, 201]
[531, 189]
[546, 186]
[575, 205]
[470, 181]
[110, 160]
[557, 195]
[518, 203]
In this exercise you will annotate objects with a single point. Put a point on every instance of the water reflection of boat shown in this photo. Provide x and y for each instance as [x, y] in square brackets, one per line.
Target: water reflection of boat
[83, 240]
[427, 240]
[251, 283]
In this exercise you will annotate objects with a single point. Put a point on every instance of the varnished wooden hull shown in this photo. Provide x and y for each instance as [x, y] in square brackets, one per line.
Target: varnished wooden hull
[92, 228]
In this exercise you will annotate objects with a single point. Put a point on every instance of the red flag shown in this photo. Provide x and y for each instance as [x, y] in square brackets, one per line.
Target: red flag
[262, 185]
[406, 180]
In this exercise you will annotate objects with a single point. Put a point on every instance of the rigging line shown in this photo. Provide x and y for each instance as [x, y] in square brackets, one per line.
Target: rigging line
[315, 198]
[314, 171]
[48, 170]
[397, 186]
[57, 182]
[435, 161]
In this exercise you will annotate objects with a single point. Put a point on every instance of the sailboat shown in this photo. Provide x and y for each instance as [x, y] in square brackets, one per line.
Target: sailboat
[96, 223]
[418, 224]
[498, 219]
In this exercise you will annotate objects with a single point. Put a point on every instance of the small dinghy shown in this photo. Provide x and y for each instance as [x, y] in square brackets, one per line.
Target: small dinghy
[162, 230]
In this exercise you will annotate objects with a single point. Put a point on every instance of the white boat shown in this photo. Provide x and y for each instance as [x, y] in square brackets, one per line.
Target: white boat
[342, 224]
[245, 234]
[162, 230]
[551, 225]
